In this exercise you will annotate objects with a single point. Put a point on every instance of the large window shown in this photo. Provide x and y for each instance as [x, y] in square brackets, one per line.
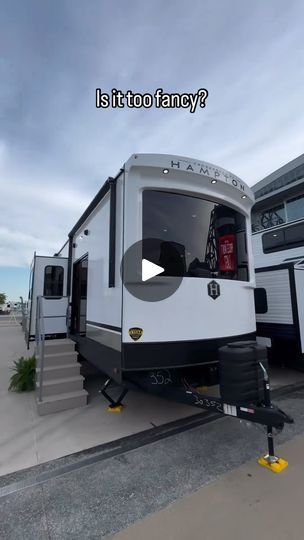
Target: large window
[291, 210]
[284, 238]
[53, 281]
[194, 237]
[295, 208]
[269, 217]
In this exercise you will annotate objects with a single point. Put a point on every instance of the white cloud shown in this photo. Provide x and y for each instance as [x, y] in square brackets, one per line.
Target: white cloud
[35, 215]
[56, 149]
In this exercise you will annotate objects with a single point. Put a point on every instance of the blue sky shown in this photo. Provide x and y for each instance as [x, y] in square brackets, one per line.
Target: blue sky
[56, 148]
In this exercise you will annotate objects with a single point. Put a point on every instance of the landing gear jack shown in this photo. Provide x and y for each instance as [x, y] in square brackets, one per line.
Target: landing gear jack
[270, 461]
[115, 406]
[163, 384]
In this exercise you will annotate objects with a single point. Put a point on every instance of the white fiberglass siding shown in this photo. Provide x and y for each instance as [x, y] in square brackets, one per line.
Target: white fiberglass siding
[277, 285]
[103, 303]
[299, 279]
[189, 314]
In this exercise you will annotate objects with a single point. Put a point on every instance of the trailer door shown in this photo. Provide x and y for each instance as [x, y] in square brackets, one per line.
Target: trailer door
[79, 301]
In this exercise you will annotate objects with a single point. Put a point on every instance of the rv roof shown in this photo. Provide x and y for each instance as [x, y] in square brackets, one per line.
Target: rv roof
[190, 165]
[173, 162]
[289, 173]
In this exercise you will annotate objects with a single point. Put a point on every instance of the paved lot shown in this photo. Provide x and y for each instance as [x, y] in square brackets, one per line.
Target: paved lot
[98, 498]
[27, 439]
[167, 481]
[247, 503]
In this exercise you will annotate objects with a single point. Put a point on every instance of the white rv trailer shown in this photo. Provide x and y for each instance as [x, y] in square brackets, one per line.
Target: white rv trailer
[198, 217]
[278, 248]
[48, 281]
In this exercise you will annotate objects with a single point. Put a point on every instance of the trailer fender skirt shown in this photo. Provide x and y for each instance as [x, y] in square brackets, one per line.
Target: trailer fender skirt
[278, 465]
[115, 408]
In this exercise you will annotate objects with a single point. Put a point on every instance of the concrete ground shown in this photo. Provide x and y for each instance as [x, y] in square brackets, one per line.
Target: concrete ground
[202, 483]
[27, 439]
[159, 482]
[248, 503]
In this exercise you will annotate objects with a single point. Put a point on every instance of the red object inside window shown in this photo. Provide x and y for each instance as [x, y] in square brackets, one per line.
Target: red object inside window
[227, 252]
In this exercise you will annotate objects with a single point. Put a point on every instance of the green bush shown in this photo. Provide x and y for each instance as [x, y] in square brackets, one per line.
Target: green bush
[24, 378]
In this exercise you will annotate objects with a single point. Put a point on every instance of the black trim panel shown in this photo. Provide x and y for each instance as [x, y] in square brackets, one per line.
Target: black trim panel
[105, 326]
[138, 356]
[294, 303]
[260, 300]
[282, 266]
[70, 255]
[54, 317]
[275, 330]
[104, 358]
[112, 232]
[144, 356]
[31, 309]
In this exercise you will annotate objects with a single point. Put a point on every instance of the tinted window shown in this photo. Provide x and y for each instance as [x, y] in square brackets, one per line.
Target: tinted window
[285, 238]
[199, 238]
[295, 235]
[270, 217]
[273, 240]
[295, 208]
[53, 281]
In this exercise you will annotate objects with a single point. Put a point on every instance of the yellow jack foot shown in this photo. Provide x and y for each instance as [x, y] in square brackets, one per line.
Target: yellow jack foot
[116, 409]
[201, 389]
[276, 466]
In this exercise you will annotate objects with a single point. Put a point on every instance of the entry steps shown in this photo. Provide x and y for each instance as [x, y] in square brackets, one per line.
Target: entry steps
[62, 384]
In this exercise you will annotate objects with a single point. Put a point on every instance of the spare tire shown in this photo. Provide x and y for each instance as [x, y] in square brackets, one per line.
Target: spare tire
[241, 376]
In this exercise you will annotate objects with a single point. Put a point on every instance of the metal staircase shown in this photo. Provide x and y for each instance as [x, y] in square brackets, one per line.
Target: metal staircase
[59, 385]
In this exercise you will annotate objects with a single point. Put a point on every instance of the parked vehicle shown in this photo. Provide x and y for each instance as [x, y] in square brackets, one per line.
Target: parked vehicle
[278, 247]
[191, 219]
[159, 277]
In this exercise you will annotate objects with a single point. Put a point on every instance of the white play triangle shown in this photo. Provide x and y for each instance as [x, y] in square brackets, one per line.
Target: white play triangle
[149, 270]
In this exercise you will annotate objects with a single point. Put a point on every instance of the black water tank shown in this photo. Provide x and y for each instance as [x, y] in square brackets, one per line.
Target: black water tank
[241, 376]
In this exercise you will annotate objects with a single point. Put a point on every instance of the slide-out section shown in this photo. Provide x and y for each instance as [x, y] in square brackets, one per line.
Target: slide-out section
[48, 279]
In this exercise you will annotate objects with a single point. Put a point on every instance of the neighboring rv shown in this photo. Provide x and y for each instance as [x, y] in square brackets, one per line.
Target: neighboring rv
[48, 281]
[278, 247]
[198, 217]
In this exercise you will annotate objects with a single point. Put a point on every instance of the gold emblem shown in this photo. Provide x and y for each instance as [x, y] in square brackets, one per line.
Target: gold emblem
[135, 333]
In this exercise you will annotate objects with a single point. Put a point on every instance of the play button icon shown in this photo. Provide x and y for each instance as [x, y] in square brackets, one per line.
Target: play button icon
[149, 270]
[148, 267]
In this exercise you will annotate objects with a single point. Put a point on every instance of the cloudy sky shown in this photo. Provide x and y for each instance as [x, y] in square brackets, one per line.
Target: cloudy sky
[56, 148]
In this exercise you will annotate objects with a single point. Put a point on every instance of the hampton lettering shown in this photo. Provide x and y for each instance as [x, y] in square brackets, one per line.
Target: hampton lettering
[206, 170]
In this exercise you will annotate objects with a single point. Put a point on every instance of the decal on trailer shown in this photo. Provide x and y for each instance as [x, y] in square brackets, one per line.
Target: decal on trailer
[207, 169]
[214, 290]
[135, 333]
[229, 409]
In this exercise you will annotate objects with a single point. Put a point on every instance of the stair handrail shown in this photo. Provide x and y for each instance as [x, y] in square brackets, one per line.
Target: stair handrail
[23, 313]
[40, 339]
